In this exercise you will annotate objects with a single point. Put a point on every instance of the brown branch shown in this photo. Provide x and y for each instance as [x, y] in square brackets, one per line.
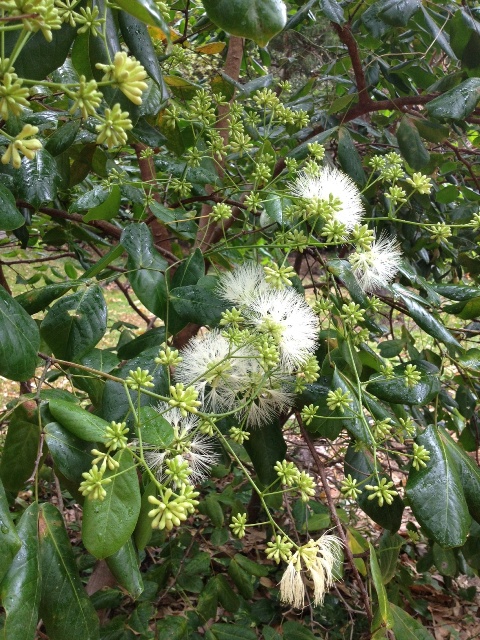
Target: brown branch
[346, 36]
[7, 263]
[335, 518]
[461, 159]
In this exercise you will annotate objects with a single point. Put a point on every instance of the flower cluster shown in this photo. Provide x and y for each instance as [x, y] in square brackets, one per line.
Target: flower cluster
[248, 367]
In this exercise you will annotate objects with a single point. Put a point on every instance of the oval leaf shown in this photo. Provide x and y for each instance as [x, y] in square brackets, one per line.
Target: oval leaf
[436, 495]
[108, 524]
[71, 455]
[19, 340]
[124, 565]
[80, 423]
[10, 216]
[10, 542]
[75, 323]
[65, 608]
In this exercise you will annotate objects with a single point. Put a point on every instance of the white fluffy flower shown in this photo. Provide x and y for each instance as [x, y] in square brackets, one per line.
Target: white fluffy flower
[286, 317]
[188, 443]
[377, 266]
[265, 394]
[333, 186]
[214, 368]
[319, 558]
[242, 284]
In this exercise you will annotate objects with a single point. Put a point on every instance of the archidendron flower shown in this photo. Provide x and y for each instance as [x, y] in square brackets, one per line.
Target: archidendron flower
[284, 315]
[242, 284]
[112, 130]
[377, 266]
[334, 187]
[20, 145]
[318, 557]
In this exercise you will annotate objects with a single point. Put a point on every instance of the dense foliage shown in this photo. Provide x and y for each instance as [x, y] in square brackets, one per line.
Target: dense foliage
[286, 195]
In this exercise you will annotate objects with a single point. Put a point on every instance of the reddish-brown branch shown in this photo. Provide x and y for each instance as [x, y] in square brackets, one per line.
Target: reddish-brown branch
[346, 36]
[465, 162]
[335, 518]
[33, 260]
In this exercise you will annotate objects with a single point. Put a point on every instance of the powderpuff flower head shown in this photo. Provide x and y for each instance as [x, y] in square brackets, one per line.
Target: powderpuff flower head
[189, 445]
[285, 316]
[377, 266]
[336, 189]
[318, 557]
[214, 368]
[241, 285]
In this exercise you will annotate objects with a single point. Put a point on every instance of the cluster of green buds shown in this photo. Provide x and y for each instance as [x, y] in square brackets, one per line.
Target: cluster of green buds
[295, 480]
[170, 508]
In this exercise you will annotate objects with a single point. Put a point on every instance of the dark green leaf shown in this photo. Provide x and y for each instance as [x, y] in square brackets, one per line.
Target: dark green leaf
[153, 338]
[242, 580]
[411, 145]
[383, 604]
[197, 304]
[90, 199]
[19, 340]
[397, 12]
[80, 423]
[75, 323]
[71, 456]
[98, 359]
[108, 524]
[156, 430]
[444, 560]
[108, 209]
[20, 589]
[258, 20]
[37, 179]
[361, 466]
[407, 628]
[469, 474]
[146, 11]
[253, 568]
[342, 269]
[10, 216]
[20, 449]
[143, 530]
[436, 496]
[430, 324]
[388, 550]
[457, 103]
[296, 631]
[349, 157]
[63, 138]
[333, 11]
[471, 360]
[395, 389]
[438, 34]
[10, 542]
[37, 300]
[147, 268]
[65, 608]
[224, 631]
[124, 564]
[189, 271]
[266, 446]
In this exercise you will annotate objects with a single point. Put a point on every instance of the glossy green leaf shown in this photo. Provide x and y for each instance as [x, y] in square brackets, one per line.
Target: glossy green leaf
[156, 430]
[138, 40]
[65, 608]
[333, 11]
[242, 580]
[63, 138]
[38, 58]
[457, 103]
[146, 11]
[108, 524]
[71, 456]
[10, 542]
[107, 209]
[37, 180]
[143, 530]
[397, 12]
[470, 360]
[395, 390]
[189, 271]
[146, 268]
[387, 554]
[469, 473]
[258, 20]
[197, 304]
[343, 270]
[224, 631]
[411, 145]
[266, 446]
[349, 157]
[20, 589]
[76, 323]
[383, 604]
[360, 465]
[100, 360]
[19, 340]
[444, 560]
[20, 449]
[125, 566]
[36, 300]
[152, 338]
[436, 495]
[293, 630]
[438, 34]
[430, 324]
[78, 421]
[10, 216]
[407, 628]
